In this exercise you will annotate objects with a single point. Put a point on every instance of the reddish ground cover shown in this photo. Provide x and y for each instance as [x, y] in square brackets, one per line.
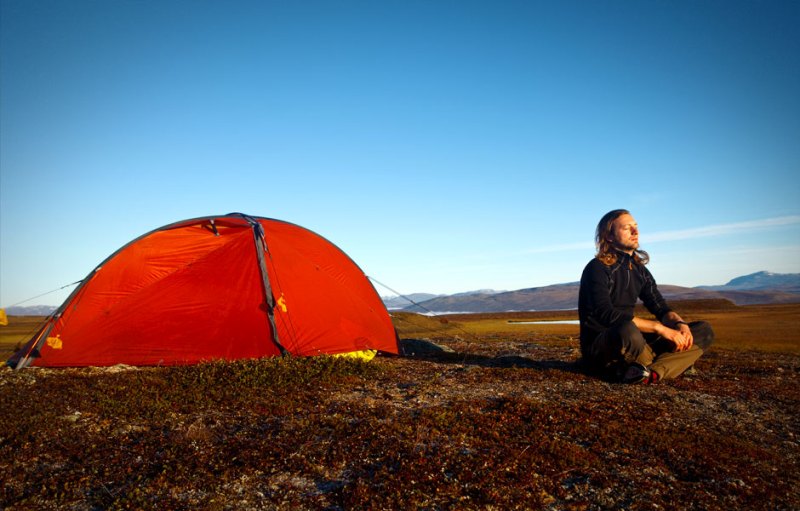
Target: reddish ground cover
[503, 421]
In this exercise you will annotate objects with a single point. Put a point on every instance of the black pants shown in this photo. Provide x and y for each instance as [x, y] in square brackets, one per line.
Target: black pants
[625, 344]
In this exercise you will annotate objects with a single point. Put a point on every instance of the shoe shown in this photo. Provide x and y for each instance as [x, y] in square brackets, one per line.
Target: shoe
[637, 373]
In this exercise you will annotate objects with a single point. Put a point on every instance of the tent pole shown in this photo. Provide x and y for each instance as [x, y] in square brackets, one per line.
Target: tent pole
[258, 237]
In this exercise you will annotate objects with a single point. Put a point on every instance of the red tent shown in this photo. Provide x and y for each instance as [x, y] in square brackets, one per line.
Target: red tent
[222, 287]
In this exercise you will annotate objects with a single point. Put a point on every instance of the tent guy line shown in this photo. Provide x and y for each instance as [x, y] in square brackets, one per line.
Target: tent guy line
[468, 334]
[44, 294]
[401, 295]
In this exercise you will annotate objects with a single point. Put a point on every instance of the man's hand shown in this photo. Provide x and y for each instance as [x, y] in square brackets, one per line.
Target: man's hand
[677, 324]
[687, 333]
[682, 338]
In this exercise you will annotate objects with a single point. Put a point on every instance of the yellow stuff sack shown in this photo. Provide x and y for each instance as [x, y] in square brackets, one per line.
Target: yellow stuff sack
[365, 355]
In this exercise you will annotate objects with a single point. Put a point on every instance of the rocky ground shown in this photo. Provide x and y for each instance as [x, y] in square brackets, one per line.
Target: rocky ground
[492, 424]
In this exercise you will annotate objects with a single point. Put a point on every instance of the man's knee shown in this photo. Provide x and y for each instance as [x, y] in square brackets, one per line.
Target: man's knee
[703, 334]
[632, 342]
[621, 343]
[630, 335]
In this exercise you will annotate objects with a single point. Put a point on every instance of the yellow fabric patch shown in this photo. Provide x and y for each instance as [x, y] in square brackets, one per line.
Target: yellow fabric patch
[282, 303]
[365, 355]
[55, 342]
[3, 318]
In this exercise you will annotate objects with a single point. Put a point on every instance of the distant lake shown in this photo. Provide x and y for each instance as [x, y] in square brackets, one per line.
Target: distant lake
[560, 322]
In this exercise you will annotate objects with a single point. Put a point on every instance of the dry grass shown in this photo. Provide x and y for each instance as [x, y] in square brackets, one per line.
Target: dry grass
[768, 328]
[771, 328]
[17, 332]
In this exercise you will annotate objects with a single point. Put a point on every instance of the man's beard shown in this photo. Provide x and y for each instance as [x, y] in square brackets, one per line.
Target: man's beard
[629, 245]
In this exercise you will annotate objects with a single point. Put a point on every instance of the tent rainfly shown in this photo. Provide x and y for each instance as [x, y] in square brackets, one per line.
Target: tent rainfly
[219, 287]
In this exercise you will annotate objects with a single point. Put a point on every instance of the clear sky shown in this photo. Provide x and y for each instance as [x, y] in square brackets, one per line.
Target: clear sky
[446, 146]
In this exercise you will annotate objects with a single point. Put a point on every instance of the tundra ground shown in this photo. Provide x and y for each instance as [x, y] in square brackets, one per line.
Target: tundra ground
[505, 420]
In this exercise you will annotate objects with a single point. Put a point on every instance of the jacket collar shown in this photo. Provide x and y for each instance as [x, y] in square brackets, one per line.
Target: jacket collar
[625, 259]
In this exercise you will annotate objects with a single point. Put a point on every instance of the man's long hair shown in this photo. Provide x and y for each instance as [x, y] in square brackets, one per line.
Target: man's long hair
[605, 249]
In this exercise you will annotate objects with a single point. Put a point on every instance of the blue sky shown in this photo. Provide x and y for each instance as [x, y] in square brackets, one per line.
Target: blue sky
[445, 146]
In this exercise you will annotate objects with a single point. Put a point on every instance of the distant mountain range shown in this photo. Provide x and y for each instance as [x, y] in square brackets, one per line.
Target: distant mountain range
[758, 288]
[33, 310]
[762, 281]
[401, 302]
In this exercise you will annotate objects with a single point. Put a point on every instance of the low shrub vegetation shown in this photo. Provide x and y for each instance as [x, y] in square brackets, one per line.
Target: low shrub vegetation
[506, 420]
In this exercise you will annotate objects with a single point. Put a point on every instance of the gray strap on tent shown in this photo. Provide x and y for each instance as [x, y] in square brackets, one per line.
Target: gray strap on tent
[260, 241]
[33, 352]
[48, 324]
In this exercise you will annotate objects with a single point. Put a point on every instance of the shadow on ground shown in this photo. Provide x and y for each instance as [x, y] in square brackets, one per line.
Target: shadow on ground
[428, 350]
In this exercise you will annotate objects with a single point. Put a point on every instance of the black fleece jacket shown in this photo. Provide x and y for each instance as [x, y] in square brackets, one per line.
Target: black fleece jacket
[608, 295]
